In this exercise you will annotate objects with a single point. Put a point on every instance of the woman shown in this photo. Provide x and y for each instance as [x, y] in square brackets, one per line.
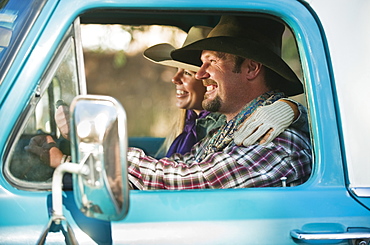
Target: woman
[194, 122]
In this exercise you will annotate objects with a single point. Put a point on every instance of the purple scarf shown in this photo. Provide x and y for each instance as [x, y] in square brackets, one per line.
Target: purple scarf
[185, 141]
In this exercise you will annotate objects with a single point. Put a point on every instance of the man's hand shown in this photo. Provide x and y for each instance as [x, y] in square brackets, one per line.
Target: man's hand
[62, 120]
[45, 147]
[266, 123]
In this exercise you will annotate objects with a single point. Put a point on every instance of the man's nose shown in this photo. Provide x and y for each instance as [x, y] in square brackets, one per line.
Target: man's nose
[202, 73]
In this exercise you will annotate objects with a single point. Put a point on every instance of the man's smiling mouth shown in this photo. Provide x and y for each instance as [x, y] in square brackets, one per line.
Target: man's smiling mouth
[211, 87]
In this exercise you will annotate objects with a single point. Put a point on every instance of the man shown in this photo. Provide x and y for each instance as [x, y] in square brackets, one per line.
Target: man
[195, 123]
[242, 69]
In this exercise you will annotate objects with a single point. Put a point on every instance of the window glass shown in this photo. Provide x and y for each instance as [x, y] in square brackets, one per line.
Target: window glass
[61, 87]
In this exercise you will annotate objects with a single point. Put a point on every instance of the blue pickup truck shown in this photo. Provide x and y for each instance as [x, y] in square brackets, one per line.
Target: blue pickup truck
[88, 202]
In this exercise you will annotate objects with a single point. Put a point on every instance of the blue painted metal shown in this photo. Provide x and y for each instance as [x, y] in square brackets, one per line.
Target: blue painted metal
[252, 216]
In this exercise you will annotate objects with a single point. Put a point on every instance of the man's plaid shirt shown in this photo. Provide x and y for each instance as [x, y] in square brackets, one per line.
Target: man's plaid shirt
[288, 155]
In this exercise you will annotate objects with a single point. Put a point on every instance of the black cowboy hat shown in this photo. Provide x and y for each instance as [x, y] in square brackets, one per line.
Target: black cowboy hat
[254, 38]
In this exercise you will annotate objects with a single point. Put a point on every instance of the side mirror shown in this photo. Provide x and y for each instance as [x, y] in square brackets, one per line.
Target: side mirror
[99, 142]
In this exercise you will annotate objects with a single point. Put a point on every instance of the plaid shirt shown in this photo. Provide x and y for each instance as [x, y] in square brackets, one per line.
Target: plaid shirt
[288, 155]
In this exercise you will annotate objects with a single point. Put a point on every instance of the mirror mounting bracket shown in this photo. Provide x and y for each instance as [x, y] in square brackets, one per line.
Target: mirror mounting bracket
[57, 215]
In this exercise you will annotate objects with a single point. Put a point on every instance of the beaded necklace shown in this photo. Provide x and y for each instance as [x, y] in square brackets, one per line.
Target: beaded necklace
[226, 133]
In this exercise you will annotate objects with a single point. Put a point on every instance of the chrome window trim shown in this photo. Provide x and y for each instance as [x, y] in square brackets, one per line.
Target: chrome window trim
[79, 57]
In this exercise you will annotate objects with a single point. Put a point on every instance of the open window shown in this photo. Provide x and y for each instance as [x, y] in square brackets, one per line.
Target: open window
[60, 84]
[144, 88]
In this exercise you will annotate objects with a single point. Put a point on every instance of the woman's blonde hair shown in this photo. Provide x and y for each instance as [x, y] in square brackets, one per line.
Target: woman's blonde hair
[176, 130]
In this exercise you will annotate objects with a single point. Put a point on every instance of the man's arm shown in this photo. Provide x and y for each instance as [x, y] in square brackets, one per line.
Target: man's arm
[269, 121]
[234, 167]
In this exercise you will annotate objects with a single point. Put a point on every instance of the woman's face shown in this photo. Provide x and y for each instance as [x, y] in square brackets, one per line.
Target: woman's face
[189, 91]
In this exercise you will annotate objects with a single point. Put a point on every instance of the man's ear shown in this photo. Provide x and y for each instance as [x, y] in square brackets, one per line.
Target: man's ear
[252, 68]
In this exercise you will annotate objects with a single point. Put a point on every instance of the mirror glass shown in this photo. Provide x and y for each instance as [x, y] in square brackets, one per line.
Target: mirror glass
[99, 141]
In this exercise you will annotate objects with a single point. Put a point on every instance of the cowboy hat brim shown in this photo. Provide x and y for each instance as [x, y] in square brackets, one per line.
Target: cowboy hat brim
[161, 54]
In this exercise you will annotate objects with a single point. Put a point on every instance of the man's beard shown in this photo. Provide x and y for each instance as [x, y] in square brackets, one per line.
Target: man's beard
[212, 105]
